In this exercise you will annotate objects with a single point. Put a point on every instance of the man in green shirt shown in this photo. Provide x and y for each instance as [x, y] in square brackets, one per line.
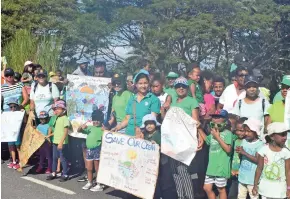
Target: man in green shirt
[169, 88]
[285, 85]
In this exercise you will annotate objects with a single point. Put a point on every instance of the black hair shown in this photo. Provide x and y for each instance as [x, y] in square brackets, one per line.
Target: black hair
[25, 70]
[98, 115]
[239, 69]
[58, 70]
[17, 76]
[37, 66]
[143, 62]
[219, 79]
[100, 64]
[141, 76]
[150, 121]
[158, 79]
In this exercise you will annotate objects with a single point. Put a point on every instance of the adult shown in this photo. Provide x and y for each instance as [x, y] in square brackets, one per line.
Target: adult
[138, 106]
[82, 69]
[130, 84]
[100, 69]
[279, 95]
[59, 74]
[277, 110]
[252, 106]
[11, 89]
[232, 92]
[170, 79]
[182, 174]
[218, 89]
[120, 100]
[43, 94]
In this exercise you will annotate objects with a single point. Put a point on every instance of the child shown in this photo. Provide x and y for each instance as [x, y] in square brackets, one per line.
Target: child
[272, 174]
[45, 149]
[220, 147]
[249, 157]
[93, 144]
[60, 140]
[14, 147]
[149, 124]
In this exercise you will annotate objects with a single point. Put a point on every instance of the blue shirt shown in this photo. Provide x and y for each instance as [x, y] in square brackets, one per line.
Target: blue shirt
[12, 91]
[248, 168]
[43, 128]
[150, 103]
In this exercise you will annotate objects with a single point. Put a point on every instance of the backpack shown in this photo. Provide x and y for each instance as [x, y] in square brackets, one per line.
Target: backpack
[49, 83]
[263, 105]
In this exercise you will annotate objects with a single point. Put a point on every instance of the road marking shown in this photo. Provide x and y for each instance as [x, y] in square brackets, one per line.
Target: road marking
[48, 185]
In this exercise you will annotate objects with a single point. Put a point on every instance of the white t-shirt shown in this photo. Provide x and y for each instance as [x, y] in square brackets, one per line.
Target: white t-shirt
[162, 98]
[273, 180]
[43, 98]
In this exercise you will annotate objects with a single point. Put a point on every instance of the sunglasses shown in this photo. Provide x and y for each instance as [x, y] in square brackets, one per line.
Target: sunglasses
[12, 106]
[180, 86]
[41, 76]
[116, 84]
[8, 75]
[213, 125]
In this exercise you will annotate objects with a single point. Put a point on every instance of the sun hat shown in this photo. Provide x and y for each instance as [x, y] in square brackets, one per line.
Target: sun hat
[172, 75]
[250, 79]
[220, 113]
[28, 63]
[43, 114]
[59, 104]
[286, 80]
[149, 117]
[51, 74]
[181, 80]
[254, 125]
[9, 72]
[13, 100]
[277, 127]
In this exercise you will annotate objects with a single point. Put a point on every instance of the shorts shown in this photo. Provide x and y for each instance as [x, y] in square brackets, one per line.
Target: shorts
[93, 154]
[17, 143]
[218, 181]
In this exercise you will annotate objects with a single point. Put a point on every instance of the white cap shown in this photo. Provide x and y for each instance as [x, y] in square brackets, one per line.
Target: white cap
[149, 117]
[277, 127]
[254, 125]
[28, 63]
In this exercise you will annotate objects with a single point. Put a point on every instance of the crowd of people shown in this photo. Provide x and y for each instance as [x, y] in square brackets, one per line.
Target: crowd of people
[243, 148]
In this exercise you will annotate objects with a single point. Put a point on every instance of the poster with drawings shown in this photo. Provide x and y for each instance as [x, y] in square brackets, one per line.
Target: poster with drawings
[129, 164]
[84, 95]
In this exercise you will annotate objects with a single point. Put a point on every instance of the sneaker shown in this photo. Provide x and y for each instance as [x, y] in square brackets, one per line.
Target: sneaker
[11, 165]
[83, 178]
[98, 187]
[51, 177]
[16, 166]
[59, 174]
[48, 171]
[63, 178]
[88, 186]
[39, 169]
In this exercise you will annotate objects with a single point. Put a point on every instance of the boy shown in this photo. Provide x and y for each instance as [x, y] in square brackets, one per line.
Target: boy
[93, 145]
[249, 157]
[220, 147]
[195, 89]
[59, 126]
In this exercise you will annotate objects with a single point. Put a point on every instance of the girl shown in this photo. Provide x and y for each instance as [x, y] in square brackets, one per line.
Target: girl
[45, 149]
[93, 144]
[272, 178]
[60, 140]
[206, 85]
[27, 77]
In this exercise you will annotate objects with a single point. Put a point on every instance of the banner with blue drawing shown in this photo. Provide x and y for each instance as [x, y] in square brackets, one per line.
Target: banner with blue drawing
[129, 164]
[85, 94]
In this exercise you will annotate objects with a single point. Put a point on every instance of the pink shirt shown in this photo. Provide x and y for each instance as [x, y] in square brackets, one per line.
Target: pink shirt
[209, 101]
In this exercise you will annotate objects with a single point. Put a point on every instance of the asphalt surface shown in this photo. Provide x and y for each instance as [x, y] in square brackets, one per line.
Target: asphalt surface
[15, 185]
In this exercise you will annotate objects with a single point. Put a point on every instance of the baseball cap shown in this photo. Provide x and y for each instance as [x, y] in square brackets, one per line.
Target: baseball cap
[42, 72]
[101, 106]
[220, 113]
[13, 100]
[254, 125]
[82, 60]
[51, 74]
[286, 80]
[117, 78]
[9, 72]
[250, 79]
[28, 63]
[59, 104]
[277, 127]
[181, 80]
[149, 117]
[43, 114]
[172, 75]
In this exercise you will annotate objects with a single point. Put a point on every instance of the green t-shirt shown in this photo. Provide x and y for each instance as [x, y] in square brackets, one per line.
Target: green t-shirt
[119, 104]
[58, 124]
[198, 91]
[236, 158]
[94, 138]
[187, 104]
[219, 164]
[276, 111]
[154, 137]
[170, 91]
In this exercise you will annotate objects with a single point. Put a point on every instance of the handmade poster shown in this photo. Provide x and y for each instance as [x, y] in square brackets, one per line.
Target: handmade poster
[179, 136]
[10, 128]
[85, 94]
[31, 141]
[129, 164]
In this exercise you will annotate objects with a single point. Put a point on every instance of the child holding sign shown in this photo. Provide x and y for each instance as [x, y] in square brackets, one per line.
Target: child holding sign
[93, 143]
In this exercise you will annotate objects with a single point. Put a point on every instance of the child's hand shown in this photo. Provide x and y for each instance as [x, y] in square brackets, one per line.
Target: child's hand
[166, 106]
[235, 173]
[255, 191]
[200, 143]
[139, 133]
[59, 146]
[240, 150]
[215, 132]
[153, 142]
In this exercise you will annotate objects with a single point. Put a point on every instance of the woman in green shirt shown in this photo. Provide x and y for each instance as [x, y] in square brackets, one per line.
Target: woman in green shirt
[181, 172]
[138, 106]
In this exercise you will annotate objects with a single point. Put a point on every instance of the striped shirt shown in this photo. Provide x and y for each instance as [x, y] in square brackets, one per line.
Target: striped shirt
[12, 91]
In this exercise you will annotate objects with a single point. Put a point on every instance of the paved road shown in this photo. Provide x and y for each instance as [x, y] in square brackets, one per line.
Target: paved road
[16, 186]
